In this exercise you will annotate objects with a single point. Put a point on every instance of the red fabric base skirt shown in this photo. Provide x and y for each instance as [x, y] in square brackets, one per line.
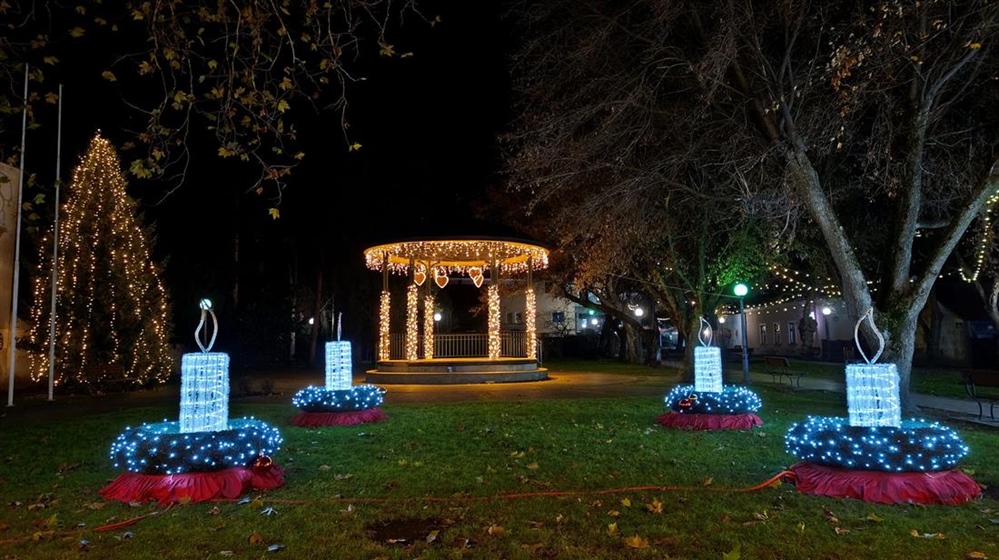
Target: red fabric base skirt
[687, 421]
[316, 419]
[192, 487]
[951, 487]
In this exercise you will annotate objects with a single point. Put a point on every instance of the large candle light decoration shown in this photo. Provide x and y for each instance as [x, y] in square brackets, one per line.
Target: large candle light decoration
[204, 455]
[709, 404]
[338, 403]
[873, 454]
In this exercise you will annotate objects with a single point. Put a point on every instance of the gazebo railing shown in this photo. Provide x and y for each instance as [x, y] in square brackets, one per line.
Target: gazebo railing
[513, 344]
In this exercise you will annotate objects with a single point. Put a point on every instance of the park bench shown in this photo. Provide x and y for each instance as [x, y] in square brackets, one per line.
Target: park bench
[778, 367]
[974, 381]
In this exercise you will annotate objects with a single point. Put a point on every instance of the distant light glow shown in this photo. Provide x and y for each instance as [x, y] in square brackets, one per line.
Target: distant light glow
[826, 310]
[740, 290]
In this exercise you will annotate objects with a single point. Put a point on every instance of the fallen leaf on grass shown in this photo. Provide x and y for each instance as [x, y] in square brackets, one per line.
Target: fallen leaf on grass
[917, 534]
[614, 513]
[841, 531]
[432, 536]
[347, 476]
[275, 547]
[214, 511]
[976, 556]
[325, 467]
[707, 481]
[495, 530]
[830, 516]
[656, 507]
[733, 554]
[532, 466]
[517, 454]
[875, 518]
[636, 541]
[625, 502]
[532, 547]
[612, 529]
[255, 538]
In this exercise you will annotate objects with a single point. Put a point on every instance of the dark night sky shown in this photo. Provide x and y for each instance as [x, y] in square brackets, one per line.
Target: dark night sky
[428, 127]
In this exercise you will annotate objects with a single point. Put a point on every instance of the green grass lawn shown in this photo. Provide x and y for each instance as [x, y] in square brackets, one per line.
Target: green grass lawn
[562, 478]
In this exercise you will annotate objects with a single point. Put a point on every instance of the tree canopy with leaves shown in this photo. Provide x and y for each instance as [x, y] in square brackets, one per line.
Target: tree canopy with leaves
[872, 124]
[248, 72]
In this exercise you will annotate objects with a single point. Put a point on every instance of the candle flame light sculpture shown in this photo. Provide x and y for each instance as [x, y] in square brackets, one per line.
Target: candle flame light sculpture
[204, 455]
[338, 403]
[709, 404]
[873, 454]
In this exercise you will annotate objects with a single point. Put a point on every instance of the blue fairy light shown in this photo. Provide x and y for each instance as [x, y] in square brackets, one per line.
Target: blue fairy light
[732, 399]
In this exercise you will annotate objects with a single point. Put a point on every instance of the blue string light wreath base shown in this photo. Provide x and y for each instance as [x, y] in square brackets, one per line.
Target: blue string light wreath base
[732, 408]
[909, 464]
[168, 466]
[319, 406]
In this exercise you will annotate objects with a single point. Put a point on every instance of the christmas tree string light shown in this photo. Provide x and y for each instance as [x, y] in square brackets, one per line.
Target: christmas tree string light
[204, 455]
[112, 308]
[709, 404]
[338, 403]
[873, 454]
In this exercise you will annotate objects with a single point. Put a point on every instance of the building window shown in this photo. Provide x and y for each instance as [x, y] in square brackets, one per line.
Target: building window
[763, 335]
[776, 333]
[792, 333]
[509, 318]
[518, 318]
[558, 317]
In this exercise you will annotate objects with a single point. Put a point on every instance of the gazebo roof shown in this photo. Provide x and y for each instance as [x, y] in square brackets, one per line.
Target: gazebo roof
[458, 254]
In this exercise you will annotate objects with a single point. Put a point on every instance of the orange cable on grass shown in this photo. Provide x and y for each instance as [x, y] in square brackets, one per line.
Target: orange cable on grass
[551, 493]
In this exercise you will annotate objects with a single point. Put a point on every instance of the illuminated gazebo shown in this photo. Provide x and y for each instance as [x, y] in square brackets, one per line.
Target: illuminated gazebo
[421, 356]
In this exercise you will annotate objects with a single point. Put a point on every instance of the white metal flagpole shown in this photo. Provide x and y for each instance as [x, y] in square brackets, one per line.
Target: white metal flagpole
[55, 253]
[17, 248]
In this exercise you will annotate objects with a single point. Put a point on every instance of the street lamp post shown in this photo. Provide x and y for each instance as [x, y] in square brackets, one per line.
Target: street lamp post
[741, 290]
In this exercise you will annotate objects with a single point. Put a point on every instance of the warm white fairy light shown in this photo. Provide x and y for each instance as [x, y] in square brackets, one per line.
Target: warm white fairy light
[428, 326]
[107, 282]
[530, 315]
[707, 369]
[872, 395]
[339, 367]
[458, 255]
[412, 323]
[495, 341]
[983, 242]
[204, 392]
[384, 340]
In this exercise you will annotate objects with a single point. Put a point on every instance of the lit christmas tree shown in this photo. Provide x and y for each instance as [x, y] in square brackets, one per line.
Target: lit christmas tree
[112, 309]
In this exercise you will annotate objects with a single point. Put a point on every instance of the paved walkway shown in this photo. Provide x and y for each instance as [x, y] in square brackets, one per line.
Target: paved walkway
[33, 407]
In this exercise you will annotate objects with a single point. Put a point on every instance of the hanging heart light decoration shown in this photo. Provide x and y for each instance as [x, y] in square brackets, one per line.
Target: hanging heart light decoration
[420, 275]
[440, 277]
[475, 273]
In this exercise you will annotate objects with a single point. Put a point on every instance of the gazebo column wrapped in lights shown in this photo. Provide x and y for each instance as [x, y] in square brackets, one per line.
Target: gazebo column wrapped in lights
[439, 259]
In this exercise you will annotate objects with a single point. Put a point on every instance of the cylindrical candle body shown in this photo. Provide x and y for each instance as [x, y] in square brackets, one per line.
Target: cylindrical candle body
[707, 369]
[339, 369]
[204, 392]
[872, 395]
